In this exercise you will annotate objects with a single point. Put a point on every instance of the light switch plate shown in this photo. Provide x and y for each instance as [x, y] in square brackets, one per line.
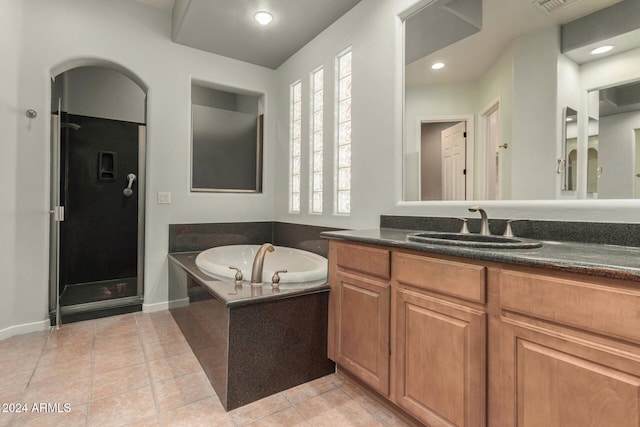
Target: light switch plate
[164, 197]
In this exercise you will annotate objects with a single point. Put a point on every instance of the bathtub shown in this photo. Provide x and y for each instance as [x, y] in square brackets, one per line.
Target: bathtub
[301, 266]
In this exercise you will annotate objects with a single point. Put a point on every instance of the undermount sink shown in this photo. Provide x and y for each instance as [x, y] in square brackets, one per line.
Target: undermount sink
[472, 240]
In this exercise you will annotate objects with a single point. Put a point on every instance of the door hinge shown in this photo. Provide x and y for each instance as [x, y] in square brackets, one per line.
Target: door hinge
[58, 213]
[464, 134]
[464, 171]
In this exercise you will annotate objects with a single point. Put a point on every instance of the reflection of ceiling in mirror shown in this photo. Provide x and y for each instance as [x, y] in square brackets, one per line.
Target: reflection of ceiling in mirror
[619, 99]
[503, 20]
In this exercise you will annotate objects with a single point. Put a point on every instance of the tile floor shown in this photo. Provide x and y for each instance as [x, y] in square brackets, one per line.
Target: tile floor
[138, 370]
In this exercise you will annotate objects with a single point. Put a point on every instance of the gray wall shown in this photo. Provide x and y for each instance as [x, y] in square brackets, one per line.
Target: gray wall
[101, 92]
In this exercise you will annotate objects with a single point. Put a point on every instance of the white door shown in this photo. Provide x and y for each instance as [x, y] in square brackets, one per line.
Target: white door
[636, 177]
[453, 141]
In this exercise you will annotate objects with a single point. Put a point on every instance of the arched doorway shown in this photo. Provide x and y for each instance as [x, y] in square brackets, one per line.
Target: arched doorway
[97, 193]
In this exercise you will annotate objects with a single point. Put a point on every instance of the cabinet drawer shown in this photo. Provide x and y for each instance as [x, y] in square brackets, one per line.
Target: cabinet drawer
[446, 277]
[587, 305]
[364, 259]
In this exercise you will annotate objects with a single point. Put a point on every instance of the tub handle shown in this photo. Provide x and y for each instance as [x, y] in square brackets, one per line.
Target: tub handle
[275, 279]
[238, 273]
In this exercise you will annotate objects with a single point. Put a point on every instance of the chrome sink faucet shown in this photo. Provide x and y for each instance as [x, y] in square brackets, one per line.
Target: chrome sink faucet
[258, 262]
[484, 224]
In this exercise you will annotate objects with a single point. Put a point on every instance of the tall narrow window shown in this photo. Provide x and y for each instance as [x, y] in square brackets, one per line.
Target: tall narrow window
[343, 205]
[295, 146]
[317, 156]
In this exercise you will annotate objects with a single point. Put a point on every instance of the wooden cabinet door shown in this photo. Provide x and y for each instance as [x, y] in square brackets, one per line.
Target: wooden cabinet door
[440, 361]
[363, 329]
[551, 379]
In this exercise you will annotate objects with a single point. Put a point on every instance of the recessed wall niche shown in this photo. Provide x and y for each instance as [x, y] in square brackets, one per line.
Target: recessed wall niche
[226, 140]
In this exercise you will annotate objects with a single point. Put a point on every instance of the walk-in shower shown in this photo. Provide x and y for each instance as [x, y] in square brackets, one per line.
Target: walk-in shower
[97, 200]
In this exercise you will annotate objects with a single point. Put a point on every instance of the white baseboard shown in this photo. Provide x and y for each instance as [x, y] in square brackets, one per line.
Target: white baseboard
[27, 328]
[158, 306]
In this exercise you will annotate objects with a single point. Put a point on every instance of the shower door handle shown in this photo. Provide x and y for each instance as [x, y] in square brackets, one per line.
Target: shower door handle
[128, 191]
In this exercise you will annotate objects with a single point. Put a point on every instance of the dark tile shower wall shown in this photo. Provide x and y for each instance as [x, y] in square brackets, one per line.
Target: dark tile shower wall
[198, 237]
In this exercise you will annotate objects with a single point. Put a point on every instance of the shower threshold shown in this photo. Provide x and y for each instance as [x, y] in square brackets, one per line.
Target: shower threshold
[97, 309]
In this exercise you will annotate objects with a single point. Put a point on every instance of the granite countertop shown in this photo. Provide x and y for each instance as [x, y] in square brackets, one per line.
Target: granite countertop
[617, 262]
[234, 294]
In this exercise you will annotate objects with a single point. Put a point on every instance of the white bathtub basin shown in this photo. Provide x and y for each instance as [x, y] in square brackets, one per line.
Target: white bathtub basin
[301, 266]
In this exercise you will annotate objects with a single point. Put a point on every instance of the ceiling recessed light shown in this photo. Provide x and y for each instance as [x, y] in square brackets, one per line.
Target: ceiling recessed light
[437, 66]
[263, 18]
[601, 49]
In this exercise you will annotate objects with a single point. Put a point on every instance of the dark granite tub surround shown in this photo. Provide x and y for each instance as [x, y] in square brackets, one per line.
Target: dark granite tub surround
[199, 237]
[252, 341]
[599, 259]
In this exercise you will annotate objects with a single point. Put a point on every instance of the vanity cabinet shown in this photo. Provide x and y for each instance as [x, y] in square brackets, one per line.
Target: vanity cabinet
[462, 342]
[359, 310]
[569, 350]
[440, 345]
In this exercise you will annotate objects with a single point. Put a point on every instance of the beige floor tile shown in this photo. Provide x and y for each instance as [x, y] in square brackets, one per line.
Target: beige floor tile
[66, 353]
[155, 320]
[391, 420]
[173, 366]
[14, 383]
[115, 322]
[16, 362]
[73, 392]
[206, 412]
[32, 342]
[61, 372]
[67, 337]
[55, 417]
[363, 399]
[183, 390]
[117, 342]
[152, 421]
[345, 415]
[85, 324]
[105, 360]
[308, 390]
[323, 403]
[119, 380]
[162, 349]
[289, 417]
[162, 333]
[260, 409]
[5, 419]
[122, 409]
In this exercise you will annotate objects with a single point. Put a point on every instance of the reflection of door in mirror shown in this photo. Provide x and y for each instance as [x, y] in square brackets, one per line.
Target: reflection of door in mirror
[431, 169]
[489, 182]
[636, 178]
[593, 170]
[570, 149]
[454, 170]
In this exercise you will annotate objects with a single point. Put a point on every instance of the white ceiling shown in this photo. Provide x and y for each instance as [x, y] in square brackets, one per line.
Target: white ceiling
[503, 21]
[227, 27]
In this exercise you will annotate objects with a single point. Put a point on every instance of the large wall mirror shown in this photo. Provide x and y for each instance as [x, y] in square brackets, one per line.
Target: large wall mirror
[491, 87]
[226, 140]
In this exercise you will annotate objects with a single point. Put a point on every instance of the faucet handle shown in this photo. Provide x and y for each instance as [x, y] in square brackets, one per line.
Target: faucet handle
[275, 279]
[238, 273]
[465, 226]
[508, 231]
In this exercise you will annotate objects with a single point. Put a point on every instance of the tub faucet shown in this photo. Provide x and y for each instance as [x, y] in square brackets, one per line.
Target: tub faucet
[484, 224]
[258, 262]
